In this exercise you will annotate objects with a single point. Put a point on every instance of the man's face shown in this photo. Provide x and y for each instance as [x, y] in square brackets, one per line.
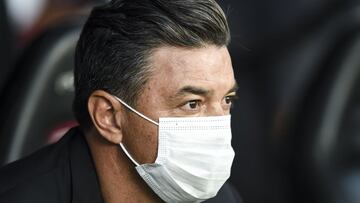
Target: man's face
[185, 82]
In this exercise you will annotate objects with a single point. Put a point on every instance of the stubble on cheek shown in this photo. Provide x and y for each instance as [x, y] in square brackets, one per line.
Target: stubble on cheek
[141, 137]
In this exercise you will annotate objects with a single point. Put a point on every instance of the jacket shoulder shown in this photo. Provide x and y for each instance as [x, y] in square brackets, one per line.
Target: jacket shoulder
[38, 177]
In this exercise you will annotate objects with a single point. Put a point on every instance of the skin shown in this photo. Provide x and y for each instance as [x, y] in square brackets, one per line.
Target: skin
[184, 82]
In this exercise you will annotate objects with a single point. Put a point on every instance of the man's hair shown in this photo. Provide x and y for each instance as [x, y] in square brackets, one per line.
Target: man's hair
[118, 38]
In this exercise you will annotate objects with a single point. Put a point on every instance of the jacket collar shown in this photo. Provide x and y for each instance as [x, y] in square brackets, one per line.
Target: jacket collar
[85, 185]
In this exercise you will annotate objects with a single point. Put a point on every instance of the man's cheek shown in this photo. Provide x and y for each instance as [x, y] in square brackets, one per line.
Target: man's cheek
[145, 143]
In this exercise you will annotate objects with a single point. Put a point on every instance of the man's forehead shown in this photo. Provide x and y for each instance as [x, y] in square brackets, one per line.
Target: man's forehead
[196, 62]
[209, 55]
[184, 70]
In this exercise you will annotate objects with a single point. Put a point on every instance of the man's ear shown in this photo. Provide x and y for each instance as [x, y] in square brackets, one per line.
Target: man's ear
[103, 108]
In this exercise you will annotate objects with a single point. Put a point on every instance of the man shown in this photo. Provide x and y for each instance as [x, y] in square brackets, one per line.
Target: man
[154, 87]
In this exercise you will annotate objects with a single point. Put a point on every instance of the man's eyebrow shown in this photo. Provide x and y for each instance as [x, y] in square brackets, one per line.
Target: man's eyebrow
[200, 91]
[234, 88]
[192, 90]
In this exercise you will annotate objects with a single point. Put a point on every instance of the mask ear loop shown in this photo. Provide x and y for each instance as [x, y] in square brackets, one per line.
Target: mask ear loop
[128, 155]
[142, 116]
[135, 111]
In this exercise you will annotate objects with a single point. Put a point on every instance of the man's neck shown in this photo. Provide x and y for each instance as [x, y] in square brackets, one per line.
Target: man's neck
[118, 178]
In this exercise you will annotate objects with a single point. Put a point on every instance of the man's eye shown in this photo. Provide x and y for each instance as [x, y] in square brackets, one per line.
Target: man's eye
[192, 105]
[230, 99]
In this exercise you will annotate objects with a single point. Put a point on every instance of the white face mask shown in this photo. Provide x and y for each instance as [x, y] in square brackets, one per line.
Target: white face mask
[194, 157]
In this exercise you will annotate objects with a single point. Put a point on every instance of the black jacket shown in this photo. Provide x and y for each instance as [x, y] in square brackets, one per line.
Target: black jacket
[63, 172]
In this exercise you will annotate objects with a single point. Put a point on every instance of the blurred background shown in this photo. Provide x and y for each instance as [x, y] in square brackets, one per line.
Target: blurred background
[296, 125]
